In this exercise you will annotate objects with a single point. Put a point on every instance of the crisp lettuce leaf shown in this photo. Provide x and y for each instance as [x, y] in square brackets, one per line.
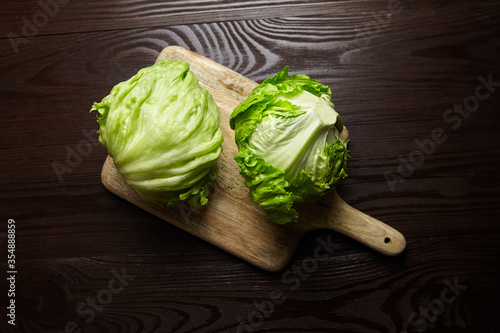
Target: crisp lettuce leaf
[162, 130]
[288, 137]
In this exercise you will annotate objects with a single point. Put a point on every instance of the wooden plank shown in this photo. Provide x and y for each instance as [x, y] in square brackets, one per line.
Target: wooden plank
[344, 297]
[75, 16]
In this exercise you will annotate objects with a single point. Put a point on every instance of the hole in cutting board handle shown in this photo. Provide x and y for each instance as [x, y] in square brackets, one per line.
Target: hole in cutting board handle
[387, 240]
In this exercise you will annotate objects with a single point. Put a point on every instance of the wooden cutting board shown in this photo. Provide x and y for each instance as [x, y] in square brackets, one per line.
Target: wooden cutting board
[231, 220]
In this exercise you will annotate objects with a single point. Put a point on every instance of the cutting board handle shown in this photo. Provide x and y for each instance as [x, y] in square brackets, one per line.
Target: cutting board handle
[365, 229]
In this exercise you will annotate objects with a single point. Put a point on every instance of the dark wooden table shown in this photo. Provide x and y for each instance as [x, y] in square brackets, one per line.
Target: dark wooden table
[418, 86]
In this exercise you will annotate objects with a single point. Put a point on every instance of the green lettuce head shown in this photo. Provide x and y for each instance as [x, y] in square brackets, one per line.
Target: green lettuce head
[290, 150]
[162, 131]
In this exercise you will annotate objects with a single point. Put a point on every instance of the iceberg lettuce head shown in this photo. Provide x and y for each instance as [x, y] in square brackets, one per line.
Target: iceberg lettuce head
[290, 149]
[162, 130]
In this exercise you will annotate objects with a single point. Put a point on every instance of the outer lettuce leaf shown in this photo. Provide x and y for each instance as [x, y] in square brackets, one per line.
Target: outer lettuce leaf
[268, 187]
[290, 151]
[162, 130]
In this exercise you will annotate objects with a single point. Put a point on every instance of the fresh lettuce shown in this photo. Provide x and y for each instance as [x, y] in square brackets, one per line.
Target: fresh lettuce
[288, 137]
[162, 131]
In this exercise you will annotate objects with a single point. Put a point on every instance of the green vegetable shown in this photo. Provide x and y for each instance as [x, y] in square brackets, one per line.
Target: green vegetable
[288, 137]
[162, 131]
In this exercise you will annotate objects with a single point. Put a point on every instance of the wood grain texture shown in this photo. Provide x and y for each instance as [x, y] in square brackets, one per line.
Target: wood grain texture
[392, 81]
[110, 15]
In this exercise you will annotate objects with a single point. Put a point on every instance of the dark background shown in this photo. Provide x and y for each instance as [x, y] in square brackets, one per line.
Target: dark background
[395, 69]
